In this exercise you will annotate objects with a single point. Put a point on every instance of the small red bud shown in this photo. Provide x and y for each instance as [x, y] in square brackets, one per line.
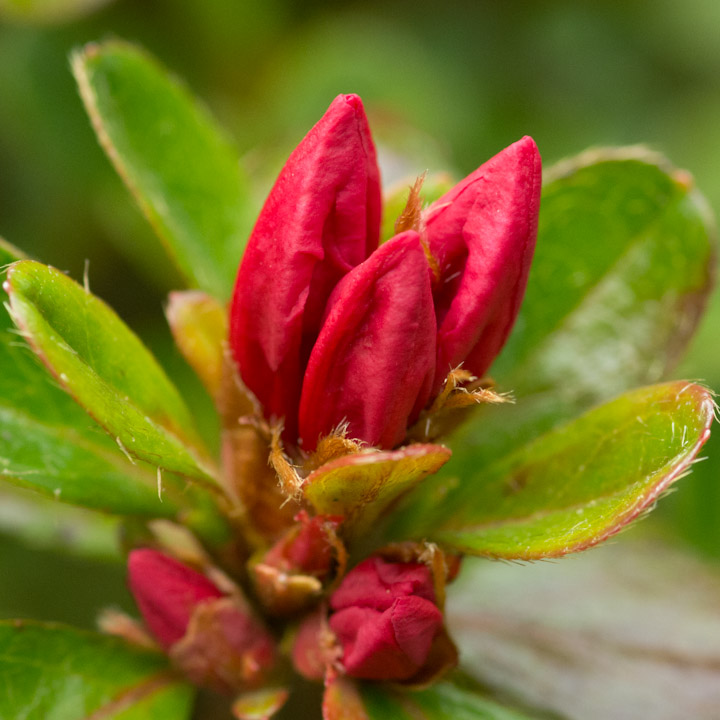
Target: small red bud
[167, 593]
[307, 549]
[213, 638]
[385, 619]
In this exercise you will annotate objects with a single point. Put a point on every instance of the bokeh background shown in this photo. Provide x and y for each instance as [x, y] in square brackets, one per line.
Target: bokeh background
[446, 86]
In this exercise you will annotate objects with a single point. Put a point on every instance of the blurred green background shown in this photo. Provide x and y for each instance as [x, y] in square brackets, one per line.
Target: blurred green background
[446, 86]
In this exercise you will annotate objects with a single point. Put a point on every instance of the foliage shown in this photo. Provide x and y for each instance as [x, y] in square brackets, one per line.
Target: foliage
[526, 481]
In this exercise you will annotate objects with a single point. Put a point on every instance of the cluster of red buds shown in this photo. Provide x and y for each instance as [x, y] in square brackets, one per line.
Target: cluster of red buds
[347, 355]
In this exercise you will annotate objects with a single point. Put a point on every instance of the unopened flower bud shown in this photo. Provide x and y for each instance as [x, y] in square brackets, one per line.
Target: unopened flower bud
[333, 332]
[385, 619]
[374, 360]
[167, 593]
[322, 218]
[307, 548]
[482, 235]
[289, 577]
[213, 638]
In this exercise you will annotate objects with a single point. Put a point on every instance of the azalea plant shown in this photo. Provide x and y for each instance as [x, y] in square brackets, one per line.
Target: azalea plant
[386, 407]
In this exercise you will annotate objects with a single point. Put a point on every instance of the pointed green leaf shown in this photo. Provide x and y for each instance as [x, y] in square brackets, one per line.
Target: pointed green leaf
[105, 367]
[182, 170]
[361, 486]
[68, 466]
[574, 486]
[631, 631]
[49, 444]
[620, 277]
[443, 701]
[50, 672]
[260, 704]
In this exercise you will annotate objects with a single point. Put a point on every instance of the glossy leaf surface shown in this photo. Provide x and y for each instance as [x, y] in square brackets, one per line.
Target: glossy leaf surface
[360, 487]
[51, 672]
[443, 701]
[621, 273]
[576, 485]
[620, 278]
[628, 631]
[50, 445]
[182, 170]
[93, 354]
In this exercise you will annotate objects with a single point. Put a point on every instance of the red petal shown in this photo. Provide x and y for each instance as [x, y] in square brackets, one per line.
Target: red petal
[483, 235]
[166, 592]
[375, 583]
[370, 650]
[374, 359]
[306, 548]
[388, 645]
[415, 622]
[321, 219]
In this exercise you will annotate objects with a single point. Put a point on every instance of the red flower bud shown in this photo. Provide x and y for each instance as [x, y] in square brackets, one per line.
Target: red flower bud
[385, 619]
[374, 359]
[306, 548]
[213, 638]
[288, 579]
[482, 234]
[167, 593]
[321, 219]
[326, 328]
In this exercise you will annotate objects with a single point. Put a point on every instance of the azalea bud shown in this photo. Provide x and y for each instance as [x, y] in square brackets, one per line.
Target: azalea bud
[482, 234]
[213, 638]
[321, 219]
[385, 619]
[374, 359]
[306, 548]
[167, 593]
[289, 577]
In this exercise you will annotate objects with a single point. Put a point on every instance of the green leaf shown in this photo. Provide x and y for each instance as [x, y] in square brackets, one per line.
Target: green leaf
[630, 631]
[50, 445]
[52, 672]
[199, 327]
[619, 280]
[574, 486]
[259, 704]
[443, 701]
[180, 167]
[93, 354]
[361, 486]
[620, 277]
